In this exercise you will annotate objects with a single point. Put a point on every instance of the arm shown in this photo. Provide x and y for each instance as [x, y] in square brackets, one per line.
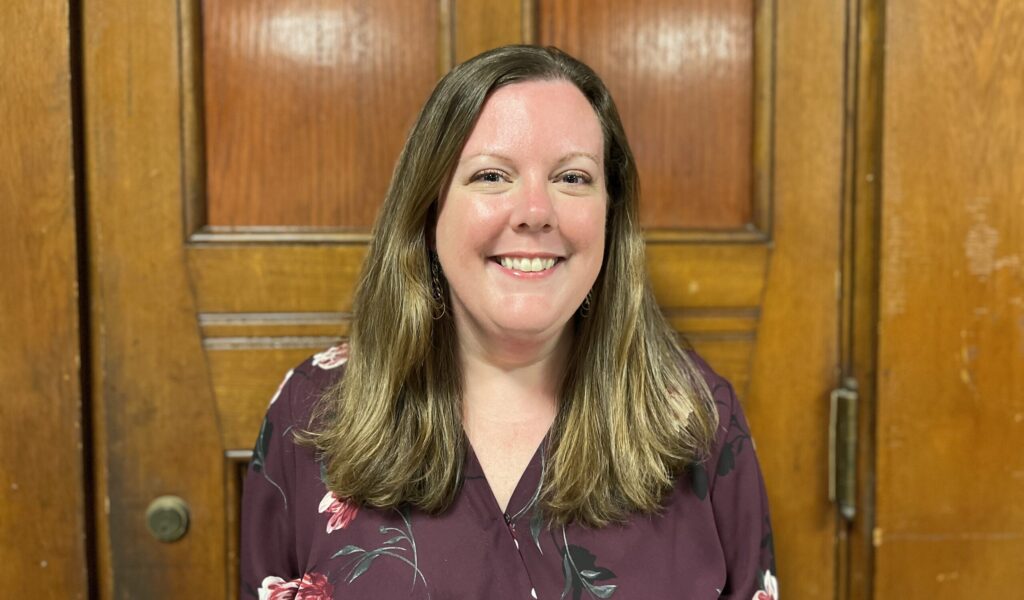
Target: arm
[267, 525]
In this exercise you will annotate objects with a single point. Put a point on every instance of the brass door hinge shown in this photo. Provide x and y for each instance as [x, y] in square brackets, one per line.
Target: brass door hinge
[842, 448]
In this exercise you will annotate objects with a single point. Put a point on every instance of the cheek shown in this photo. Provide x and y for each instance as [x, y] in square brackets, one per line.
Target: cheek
[586, 229]
[464, 223]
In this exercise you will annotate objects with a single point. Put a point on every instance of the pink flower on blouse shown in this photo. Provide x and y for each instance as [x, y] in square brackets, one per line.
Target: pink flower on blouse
[335, 356]
[315, 586]
[275, 588]
[312, 586]
[770, 588]
[342, 511]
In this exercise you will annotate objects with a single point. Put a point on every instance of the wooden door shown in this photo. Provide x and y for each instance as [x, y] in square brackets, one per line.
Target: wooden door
[950, 417]
[236, 153]
[43, 515]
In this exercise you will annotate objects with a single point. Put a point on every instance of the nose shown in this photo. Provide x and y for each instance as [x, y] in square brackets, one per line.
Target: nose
[533, 208]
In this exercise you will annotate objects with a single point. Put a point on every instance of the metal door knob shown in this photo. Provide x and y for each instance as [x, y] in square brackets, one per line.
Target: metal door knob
[167, 518]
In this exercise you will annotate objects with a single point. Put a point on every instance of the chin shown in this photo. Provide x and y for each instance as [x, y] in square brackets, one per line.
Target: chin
[528, 326]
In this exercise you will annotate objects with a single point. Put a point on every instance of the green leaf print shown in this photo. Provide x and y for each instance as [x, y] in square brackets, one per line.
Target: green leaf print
[259, 456]
[393, 547]
[699, 480]
[581, 572]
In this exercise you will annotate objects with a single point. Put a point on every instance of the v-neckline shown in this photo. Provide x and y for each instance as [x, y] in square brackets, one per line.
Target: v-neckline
[527, 488]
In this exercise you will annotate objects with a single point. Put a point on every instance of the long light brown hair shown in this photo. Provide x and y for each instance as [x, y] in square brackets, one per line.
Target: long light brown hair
[633, 410]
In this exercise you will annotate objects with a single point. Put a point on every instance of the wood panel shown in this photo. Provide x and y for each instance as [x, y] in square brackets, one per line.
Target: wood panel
[244, 381]
[484, 24]
[42, 487]
[257, 278]
[795, 366]
[862, 214]
[307, 103]
[156, 429]
[951, 333]
[682, 74]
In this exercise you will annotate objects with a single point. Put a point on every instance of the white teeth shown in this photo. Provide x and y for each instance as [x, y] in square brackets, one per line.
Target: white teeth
[527, 265]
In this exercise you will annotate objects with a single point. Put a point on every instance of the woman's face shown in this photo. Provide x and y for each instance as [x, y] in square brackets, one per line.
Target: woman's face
[520, 232]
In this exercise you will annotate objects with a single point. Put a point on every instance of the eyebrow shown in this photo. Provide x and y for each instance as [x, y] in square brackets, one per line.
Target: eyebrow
[502, 157]
[496, 155]
[579, 155]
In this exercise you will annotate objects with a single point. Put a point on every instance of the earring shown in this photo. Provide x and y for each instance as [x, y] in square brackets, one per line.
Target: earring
[435, 287]
[585, 307]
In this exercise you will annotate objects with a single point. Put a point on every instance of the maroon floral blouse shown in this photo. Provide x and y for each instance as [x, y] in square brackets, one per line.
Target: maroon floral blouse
[299, 541]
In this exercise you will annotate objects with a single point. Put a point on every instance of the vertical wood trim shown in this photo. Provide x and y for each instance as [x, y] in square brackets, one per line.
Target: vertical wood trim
[764, 111]
[157, 423]
[193, 158]
[529, 26]
[234, 473]
[797, 349]
[446, 37]
[484, 24]
[862, 216]
[43, 520]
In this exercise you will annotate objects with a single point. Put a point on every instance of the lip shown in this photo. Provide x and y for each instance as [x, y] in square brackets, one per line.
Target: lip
[527, 255]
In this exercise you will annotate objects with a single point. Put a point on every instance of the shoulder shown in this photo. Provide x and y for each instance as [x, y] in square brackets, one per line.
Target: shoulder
[731, 477]
[304, 385]
[283, 486]
[722, 392]
[733, 444]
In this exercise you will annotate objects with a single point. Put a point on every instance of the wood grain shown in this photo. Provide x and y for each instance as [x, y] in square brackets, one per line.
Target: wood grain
[156, 429]
[307, 104]
[860, 287]
[484, 24]
[244, 381]
[795, 364]
[42, 487]
[950, 471]
[682, 75]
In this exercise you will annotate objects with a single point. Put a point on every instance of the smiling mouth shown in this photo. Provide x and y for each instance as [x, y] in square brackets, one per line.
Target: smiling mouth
[526, 265]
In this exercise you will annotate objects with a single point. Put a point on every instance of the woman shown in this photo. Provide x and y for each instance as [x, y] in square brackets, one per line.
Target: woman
[515, 418]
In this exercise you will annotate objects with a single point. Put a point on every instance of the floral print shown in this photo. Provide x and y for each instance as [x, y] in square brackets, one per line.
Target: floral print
[394, 548]
[275, 588]
[769, 588]
[312, 586]
[582, 572]
[332, 358]
[259, 455]
[341, 511]
[734, 445]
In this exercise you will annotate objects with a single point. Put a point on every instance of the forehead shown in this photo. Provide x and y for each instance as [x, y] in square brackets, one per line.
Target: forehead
[538, 118]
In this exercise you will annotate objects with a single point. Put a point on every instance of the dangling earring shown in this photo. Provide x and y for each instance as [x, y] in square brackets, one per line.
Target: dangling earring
[585, 307]
[435, 287]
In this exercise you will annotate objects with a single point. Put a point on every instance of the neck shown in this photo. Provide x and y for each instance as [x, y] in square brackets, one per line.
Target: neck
[512, 380]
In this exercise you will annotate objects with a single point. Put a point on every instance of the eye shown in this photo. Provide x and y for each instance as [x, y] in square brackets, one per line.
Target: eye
[489, 176]
[575, 178]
